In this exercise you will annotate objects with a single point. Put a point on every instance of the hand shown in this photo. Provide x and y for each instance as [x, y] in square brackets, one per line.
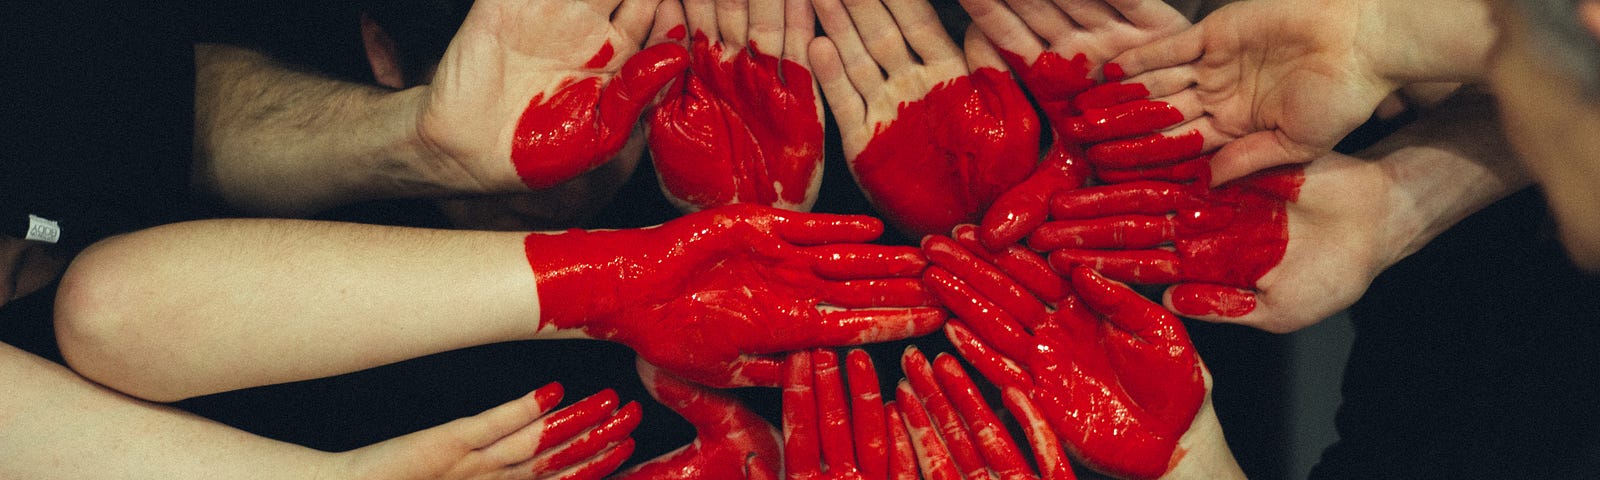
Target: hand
[1056, 50]
[731, 441]
[930, 145]
[578, 66]
[954, 427]
[1114, 374]
[563, 206]
[734, 283]
[520, 439]
[854, 442]
[1278, 82]
[745, 124]
[1222, 240]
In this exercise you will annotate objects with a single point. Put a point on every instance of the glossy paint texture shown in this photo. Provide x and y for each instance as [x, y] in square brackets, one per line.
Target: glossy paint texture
[1112, 374]
[737, 282]
[1164, 233]
[819, 430]
[731, 441]
[745, 129]
[944, 158]
[586, 120]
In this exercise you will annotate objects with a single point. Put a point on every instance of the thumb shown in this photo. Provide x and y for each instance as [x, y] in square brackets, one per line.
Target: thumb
[643, 76]
[1259, 151]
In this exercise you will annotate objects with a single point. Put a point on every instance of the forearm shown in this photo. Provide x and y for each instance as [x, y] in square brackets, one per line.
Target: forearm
[1451, 162]
[1429, 40]
[56, 425]
[201, 307]
[273, 140]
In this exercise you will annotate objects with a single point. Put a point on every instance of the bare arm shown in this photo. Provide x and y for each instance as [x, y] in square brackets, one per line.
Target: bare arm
[202, 307]
[271, 139]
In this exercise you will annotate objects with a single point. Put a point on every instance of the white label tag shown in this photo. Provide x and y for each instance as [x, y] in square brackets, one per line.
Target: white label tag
[43, 230]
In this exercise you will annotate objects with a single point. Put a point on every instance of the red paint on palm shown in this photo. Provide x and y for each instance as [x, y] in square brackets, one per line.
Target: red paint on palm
[742, 130]
[1054, 81]
[736, 282]
[586, 120]
[946, 157]
[1114, 374]
[1163, 233]
[731, 441]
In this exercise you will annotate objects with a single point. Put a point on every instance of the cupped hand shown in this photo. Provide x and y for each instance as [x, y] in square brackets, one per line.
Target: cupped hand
[732, 284]
[932, 138]
[744, 124]
[1114, 374]
[1266, 83]
[1058, 49]
[531, 93]
[522, 439]
[731, 441]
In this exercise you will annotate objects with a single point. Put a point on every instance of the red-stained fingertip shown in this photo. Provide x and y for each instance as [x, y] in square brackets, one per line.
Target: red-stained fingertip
[1201, 300]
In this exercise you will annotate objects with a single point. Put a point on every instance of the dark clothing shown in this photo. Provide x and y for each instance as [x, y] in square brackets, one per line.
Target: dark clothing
[98, 108]
[1475, 358]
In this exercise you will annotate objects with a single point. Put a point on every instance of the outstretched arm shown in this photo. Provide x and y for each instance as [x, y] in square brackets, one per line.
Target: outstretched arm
[191, 308]
[54, 424]
[510, 109]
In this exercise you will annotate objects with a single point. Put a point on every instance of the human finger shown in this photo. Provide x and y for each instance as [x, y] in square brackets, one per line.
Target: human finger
[589, 445]
[1045, 19]
[1115, 232]
[1210, 302]
[951, 429]
[994, 442]
[1007, 32]
[1091, 14]
[1047, 448]
[1146, 267]
[496, 423]
[876, 293]
[859, 327]
[702, 19]
[992, 323]
[984, 278]
[633, 19]
[834, 422]
[1259, 151]
[562, 425]
[637, 84]
[599, 466]
[1188, 171]
[867, 416]
[980, 53]
[1181, 48]
[859, 66]
[669, 24]
[879, 34]
[766, 26]
[933, 458]
[1022, 265]
[902, 455]
[1147, 14]
[1133, 198]
[849, 109]
[922, 30]
[990, 363]
[865, 261]
[799, 27]
[1018, 211]
[733, 22]
[1121, 305]
[819, 228]
[802, 452]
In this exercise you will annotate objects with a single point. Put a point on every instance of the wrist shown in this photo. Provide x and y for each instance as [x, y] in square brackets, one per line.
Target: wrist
[1427, 40]
[1203, 451]
[580, 279]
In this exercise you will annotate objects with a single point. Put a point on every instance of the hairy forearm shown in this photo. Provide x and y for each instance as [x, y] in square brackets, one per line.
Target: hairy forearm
[56, 425]
[201, 307]
[273, 140]
[1453, 161]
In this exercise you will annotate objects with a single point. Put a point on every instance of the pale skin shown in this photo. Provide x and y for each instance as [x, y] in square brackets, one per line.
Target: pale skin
[275, 141]
[61, 426]
[1358, 215]
[1281, 82]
